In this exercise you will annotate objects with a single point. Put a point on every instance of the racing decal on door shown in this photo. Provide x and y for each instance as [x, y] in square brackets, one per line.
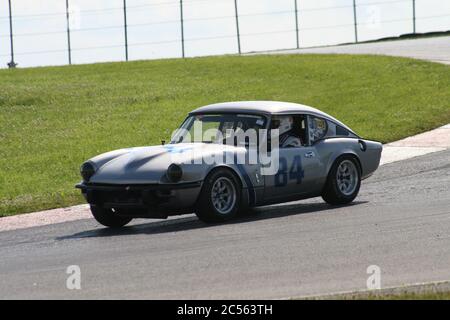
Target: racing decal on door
[296, 172]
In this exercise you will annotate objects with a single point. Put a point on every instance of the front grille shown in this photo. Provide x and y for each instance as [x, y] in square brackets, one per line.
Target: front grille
[122, 197]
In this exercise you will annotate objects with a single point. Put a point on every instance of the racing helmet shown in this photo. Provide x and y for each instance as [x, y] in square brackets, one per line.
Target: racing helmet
[283, 123]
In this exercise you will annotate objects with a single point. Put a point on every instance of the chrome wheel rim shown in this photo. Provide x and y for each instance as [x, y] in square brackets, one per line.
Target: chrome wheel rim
[223, 195]
[347, 177]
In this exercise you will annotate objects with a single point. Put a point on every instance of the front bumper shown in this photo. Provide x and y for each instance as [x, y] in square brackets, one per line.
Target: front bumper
[143, 199]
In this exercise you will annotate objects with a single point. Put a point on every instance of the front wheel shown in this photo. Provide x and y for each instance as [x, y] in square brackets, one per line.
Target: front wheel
[108, 217]
[343, 182]
[220, 198]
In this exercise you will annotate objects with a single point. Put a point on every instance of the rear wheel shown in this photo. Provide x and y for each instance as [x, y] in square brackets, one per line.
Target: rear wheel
[220, 198]
[343, 182]
[108, 217]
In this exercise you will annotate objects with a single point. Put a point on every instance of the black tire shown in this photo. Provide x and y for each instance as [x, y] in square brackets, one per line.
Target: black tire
[108, 218]
[332, 194]
[206, 210]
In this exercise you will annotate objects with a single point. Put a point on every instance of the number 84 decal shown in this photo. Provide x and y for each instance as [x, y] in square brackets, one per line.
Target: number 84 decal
[295, 172]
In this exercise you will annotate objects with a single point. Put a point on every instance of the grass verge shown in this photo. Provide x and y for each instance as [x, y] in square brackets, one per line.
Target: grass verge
[425, 291]
[412, 296]
[53, 118]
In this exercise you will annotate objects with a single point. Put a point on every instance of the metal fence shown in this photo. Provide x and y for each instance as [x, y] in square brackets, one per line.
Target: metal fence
[295, 11]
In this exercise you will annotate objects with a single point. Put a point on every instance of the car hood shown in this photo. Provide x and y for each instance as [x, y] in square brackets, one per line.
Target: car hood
[146, 165]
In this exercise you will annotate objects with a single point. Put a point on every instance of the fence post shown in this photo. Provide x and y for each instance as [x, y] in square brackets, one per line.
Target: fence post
[414, 15]
[69, 50]
[11, 64]
[125, 28]
[182, 28]
[296, 25]
[237, 26]
[355, 21]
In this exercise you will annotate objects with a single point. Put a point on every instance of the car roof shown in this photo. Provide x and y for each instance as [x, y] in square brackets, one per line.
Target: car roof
[270, 107]
[265, 107]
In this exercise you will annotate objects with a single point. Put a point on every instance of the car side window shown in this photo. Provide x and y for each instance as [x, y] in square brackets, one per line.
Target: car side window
[341, 131]
[317, 128]
[335, 130]
[291, 129]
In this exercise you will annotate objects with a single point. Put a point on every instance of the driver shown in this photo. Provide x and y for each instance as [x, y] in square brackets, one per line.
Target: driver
[287, 135]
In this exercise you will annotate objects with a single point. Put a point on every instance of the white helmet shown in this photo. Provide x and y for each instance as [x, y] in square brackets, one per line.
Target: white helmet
[285, 123]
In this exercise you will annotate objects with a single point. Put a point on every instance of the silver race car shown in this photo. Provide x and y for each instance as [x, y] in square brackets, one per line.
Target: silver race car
[228, 157]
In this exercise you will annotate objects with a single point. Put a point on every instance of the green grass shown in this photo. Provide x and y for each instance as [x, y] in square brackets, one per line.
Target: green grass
[412, 296]
[425, 295]
[52, 119]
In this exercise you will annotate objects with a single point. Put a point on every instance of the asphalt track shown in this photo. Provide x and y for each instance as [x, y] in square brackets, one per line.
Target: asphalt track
[436, 49]
[400, 222]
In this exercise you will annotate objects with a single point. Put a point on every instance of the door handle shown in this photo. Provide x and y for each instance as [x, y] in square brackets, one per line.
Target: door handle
[309, 154]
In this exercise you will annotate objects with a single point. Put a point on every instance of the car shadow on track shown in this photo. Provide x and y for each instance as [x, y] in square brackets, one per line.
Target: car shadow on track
[192, 222]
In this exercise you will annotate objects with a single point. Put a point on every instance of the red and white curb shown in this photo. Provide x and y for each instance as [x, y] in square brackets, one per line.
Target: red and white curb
[421, 144]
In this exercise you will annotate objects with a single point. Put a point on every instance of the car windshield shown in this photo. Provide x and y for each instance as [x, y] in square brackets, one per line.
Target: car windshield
[216, 128]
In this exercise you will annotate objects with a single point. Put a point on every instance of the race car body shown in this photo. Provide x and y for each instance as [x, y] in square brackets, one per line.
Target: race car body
[228, 157]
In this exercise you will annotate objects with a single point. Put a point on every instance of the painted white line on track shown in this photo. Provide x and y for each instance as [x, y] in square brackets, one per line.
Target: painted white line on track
[418, 145]
[393, 154]
[42, 218]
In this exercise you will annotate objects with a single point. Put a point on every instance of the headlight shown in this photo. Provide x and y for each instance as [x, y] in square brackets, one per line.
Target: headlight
[87, 170]
[174, 173]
